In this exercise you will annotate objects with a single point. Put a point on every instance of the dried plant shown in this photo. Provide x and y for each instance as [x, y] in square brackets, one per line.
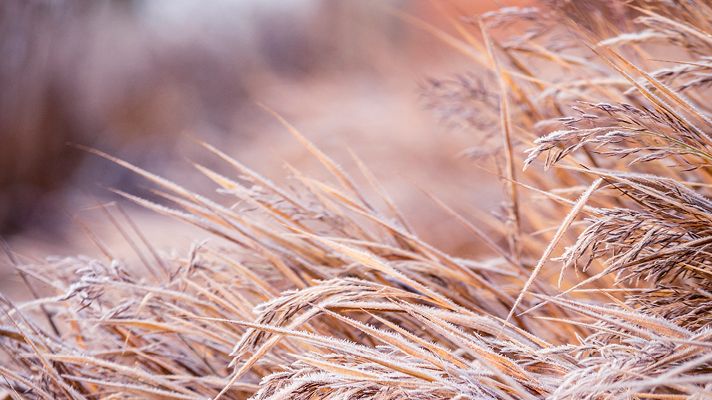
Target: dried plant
[596, 286]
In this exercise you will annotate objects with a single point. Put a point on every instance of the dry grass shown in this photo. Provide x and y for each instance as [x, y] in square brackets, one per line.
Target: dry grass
[315, 291]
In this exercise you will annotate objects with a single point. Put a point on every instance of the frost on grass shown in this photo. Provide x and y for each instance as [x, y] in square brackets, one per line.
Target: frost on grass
[314, 292]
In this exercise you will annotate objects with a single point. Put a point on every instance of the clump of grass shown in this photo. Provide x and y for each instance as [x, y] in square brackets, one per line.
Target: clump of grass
[597, 284]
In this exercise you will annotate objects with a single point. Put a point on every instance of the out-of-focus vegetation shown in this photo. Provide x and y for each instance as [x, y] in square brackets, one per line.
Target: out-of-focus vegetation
[133, 76]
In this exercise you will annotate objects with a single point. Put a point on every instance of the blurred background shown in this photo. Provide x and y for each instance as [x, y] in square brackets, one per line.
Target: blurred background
[143, 79]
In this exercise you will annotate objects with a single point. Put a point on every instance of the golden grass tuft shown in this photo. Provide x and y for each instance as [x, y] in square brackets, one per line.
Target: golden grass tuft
[598, 283]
